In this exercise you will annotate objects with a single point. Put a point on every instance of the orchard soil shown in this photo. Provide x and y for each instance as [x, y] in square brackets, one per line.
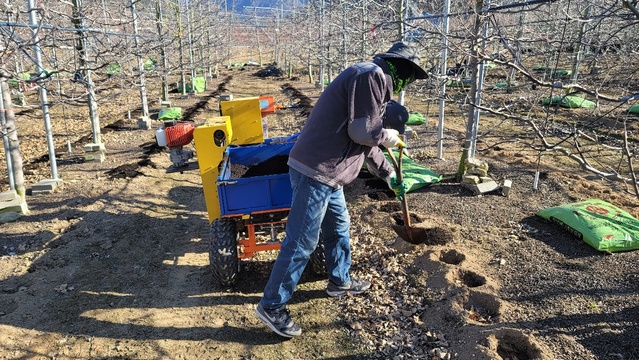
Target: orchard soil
[114, 263]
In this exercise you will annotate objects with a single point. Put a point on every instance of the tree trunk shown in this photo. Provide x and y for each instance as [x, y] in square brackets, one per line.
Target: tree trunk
[159, 18]
[400, 21]
[578, 51]
[472, 95]
[14, 144]
[83, 75]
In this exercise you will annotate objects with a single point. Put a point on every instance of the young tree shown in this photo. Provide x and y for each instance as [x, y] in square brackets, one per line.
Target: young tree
[83, 73]
[9, 131]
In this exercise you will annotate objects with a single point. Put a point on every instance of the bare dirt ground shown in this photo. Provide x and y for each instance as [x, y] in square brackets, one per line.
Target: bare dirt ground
[114, 263]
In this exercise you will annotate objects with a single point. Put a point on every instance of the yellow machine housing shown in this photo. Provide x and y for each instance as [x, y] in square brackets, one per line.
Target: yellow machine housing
[246, 120]
[241, 123]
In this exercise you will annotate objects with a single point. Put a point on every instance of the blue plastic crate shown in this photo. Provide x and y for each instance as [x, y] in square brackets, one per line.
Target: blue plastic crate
[247, 195]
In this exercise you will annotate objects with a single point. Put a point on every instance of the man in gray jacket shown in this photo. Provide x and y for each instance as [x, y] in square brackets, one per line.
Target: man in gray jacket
[344, 130]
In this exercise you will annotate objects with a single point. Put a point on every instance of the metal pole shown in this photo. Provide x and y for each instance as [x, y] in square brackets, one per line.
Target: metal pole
[403, 5]
[5, 141]
[442, 89]
[145, 106]
[401, 97]
[178, 16]
[190, 39]
[43, 91]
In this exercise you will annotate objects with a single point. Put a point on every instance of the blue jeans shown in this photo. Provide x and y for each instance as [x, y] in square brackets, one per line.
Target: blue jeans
[314, 206]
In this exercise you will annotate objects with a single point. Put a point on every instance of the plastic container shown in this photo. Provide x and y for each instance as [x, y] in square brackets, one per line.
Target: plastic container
[160, 137]
[180, 134]
[246, 195]
[267, 105]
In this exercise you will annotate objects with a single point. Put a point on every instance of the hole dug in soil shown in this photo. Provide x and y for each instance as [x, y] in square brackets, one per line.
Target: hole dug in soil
[482, 307]
[399, 218]
[471, 279]
[390, 208]
[513, 344]
[382, 195]
[452, 257]
[432, 234]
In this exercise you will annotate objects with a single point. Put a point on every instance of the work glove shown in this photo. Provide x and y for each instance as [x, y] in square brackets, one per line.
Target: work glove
[392, 139]
[398, 189]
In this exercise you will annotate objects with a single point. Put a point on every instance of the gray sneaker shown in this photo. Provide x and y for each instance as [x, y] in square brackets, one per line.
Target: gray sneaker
[353, 287]
[279, 320]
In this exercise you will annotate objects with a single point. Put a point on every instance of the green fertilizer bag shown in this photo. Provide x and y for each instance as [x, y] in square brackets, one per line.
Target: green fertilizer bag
[170, 113]
[415, 118]
[414, 174]
[601, 225]
[560, 72]
[569, 102]
[199, 84]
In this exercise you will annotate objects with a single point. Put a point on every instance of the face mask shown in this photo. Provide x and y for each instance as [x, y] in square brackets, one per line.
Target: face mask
[399, 84]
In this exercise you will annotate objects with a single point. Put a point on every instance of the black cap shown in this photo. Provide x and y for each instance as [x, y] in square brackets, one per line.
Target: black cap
[404, 51]
[395, 116]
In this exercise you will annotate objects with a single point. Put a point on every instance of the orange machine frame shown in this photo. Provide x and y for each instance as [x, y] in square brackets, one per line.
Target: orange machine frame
[248, 246]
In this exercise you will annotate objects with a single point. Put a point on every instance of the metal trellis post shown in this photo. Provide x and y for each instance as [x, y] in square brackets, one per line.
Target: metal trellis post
[442, 89]
[50, 185]
[143, 121]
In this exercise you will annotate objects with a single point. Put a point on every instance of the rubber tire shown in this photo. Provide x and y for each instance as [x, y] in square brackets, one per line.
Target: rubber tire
[223, 252]
[317, 261]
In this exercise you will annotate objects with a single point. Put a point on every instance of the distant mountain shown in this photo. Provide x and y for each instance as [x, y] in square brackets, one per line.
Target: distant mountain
[239, 5]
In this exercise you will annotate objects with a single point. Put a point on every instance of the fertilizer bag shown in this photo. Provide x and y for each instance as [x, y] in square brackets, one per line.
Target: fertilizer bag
[199, 84]
[415, 175]
[415, 118]
[601, 225]
[170, 113]
[569, 102]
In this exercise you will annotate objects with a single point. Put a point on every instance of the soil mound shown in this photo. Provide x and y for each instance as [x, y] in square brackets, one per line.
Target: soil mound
[270, 70]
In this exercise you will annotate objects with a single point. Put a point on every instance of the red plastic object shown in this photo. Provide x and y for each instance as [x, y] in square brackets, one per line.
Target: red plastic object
[179, 134]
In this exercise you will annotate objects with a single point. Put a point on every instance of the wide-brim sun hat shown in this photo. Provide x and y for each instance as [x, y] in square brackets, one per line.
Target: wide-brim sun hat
[407, 52]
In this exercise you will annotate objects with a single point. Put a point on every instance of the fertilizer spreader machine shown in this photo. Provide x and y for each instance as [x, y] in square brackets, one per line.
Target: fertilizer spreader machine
[245, 179]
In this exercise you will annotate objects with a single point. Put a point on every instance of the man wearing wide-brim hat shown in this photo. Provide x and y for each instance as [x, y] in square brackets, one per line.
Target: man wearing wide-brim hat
[344, 130]
[403, 61]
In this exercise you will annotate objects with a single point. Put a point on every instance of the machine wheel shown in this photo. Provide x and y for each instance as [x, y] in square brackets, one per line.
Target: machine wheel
[317, 262]
[223, 252]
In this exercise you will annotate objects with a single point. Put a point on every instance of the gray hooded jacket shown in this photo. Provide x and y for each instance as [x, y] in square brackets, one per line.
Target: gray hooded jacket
[344, 128]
